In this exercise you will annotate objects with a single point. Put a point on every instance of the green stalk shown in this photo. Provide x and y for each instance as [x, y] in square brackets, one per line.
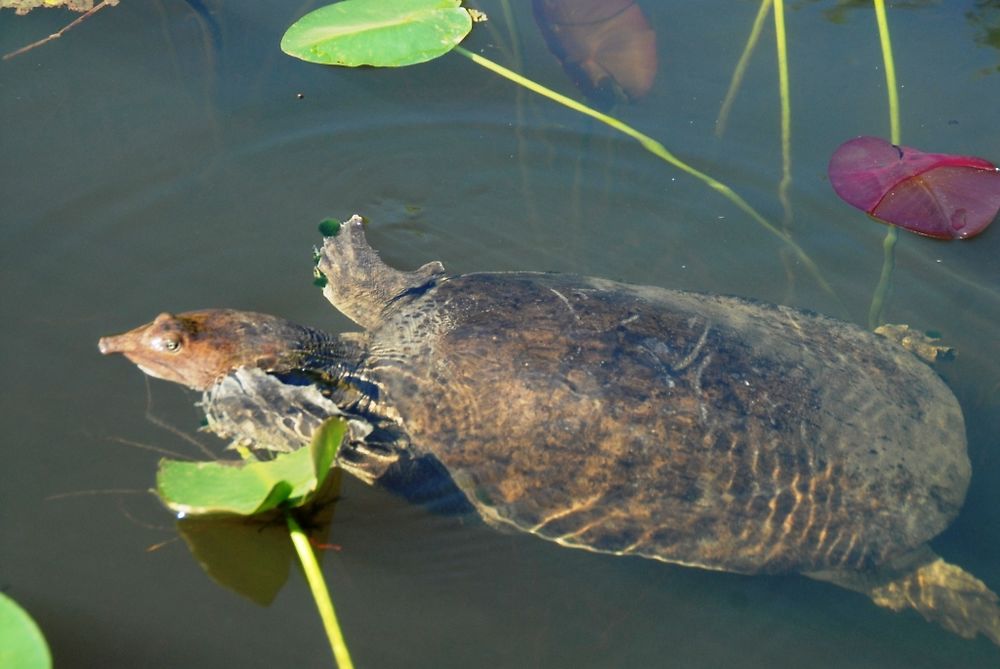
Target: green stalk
[895, 133]
[786, 110]
[884, 287]
[319, 592]
[657, 150]
[741, 68]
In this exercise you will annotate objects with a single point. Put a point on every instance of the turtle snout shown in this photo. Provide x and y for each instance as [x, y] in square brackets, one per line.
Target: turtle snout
[113, 344]
[108, 345]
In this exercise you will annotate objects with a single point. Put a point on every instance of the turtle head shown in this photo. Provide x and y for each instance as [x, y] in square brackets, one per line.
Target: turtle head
[198, 347]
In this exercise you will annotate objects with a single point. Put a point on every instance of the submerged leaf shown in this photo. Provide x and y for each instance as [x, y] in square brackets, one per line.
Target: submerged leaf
[247, 555]
[607, 47]
[378, 32]
[933, 194]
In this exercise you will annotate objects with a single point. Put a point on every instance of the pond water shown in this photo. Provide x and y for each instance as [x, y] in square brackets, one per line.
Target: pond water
[167, 156]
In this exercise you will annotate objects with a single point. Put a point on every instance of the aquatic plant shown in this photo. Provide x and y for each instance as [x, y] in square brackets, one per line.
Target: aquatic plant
[932, 194]
[230, 514]
[392, 33]
[936, 195]
[21, 642]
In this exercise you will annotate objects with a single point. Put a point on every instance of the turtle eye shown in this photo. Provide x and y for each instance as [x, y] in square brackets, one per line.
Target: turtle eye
[170, 344]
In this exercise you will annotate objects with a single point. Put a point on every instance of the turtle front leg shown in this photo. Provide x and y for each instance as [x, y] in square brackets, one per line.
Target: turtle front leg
[359, 284]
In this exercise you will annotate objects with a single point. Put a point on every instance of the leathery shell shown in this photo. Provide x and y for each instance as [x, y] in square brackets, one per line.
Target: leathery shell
[698, 429]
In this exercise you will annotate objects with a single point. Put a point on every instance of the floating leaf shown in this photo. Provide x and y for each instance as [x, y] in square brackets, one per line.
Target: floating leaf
[378, 32]
[21, 642]
[607, 47]
[246, 488]
[251, 554]
[933, 194]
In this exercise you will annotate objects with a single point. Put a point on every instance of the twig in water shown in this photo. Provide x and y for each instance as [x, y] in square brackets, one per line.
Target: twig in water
[56, 35]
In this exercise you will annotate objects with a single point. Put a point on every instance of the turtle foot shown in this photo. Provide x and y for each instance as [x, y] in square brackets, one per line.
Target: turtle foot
[359, 284]
[947, 595]
[924, 346]
[940, 592]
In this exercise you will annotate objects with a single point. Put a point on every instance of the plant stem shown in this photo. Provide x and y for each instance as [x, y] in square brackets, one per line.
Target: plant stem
[657, 150]
[895, 134]
[884, 286]
[319, 592]
[786, 110]
[741, 68]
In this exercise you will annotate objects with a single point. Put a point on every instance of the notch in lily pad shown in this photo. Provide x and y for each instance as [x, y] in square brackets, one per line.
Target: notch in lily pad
[933, 194]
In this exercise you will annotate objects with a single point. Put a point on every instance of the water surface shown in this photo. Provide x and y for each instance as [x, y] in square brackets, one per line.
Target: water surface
[167, 156]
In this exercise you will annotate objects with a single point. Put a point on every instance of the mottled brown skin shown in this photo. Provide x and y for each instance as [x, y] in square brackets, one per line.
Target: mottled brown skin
[197, 348]
[696, 429]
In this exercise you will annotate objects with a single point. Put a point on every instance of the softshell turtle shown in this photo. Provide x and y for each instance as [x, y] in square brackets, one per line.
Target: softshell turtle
[696, 429]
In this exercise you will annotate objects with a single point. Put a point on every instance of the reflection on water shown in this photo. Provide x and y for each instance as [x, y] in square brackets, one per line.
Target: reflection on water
[149, 163]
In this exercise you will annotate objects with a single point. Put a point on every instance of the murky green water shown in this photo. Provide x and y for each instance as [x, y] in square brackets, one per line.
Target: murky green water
[159, 158]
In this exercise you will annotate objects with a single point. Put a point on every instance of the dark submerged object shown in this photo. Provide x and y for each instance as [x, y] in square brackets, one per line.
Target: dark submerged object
[606, 47]
[697, 429]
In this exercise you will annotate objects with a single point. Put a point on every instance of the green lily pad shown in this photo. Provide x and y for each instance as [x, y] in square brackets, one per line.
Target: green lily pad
[21, 642]
[383, 33]
[247, 488]
[251, 555]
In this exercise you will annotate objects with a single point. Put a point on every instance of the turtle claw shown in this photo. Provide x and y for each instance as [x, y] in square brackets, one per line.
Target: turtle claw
[922, 345]
[359, 284]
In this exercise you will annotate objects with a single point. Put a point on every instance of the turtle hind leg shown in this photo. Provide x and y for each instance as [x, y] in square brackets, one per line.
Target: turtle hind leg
[945, 594]
[359, 284]
[941, 592]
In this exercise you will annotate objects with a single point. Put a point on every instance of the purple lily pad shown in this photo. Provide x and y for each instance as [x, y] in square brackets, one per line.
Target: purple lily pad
[932, 194]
